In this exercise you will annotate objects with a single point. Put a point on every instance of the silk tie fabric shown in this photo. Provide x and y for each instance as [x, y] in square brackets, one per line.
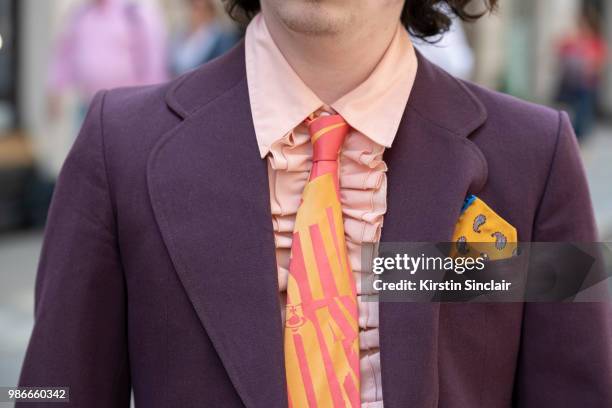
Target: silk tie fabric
[321, 327]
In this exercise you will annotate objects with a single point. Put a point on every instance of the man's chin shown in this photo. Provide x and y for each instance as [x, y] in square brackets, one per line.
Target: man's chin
[314, 17]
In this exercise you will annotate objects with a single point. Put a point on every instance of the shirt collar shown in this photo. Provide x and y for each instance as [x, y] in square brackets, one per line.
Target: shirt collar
[280, 100]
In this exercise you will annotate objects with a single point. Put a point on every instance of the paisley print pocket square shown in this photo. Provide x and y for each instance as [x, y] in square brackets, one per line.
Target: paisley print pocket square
[482, 232]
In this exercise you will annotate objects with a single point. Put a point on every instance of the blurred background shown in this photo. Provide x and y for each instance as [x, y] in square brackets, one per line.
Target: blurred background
[55, 54]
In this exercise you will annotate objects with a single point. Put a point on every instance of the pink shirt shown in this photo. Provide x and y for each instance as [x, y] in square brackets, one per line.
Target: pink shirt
[280, 101]
[109, 45]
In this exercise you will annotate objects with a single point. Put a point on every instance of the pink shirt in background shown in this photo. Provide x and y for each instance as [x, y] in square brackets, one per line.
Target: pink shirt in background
[280, 101]
[109, 44]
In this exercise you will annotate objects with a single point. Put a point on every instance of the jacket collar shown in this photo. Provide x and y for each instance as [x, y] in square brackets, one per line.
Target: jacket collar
[195, 89]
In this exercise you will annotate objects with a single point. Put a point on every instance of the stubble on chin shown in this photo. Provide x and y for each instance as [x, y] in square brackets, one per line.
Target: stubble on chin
[313, 17]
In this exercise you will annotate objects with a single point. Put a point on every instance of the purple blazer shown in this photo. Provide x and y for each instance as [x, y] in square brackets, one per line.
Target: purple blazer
[158, 271]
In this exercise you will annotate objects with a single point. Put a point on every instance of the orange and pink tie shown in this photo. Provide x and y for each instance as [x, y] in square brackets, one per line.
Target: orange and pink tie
[321, 328]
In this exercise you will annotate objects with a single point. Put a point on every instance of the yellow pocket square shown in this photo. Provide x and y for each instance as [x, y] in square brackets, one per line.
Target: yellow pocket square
[480, 232]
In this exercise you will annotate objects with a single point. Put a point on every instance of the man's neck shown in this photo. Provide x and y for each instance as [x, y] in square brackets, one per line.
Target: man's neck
[331, 65]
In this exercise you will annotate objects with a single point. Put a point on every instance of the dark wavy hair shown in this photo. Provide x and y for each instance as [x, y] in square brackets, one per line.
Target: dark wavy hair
[423, 18]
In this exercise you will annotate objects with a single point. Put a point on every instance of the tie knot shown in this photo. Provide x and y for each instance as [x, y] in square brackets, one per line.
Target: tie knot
[327, 135]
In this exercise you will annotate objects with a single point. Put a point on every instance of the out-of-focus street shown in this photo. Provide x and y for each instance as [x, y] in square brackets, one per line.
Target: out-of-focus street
[598, 163]
[19, 253]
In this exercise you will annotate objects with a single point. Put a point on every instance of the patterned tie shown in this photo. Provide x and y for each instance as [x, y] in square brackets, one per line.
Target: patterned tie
[321, 329]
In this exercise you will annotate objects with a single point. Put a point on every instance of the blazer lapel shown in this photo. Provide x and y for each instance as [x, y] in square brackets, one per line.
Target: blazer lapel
[432, 167]
[209, 191]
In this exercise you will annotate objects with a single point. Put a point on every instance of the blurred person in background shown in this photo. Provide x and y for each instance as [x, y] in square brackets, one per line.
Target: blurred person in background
[107, 44]
[582, 57]
[206, 37]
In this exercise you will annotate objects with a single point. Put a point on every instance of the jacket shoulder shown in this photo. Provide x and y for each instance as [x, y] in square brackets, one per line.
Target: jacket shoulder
[504, 110]
[136, 110]
[135, 118]
[518, 131]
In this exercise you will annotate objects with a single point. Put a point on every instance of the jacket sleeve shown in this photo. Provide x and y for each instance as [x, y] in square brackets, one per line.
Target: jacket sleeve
[79, 336]
[566, 348]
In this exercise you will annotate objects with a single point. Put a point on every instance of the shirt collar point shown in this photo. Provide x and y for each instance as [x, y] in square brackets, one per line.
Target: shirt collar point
[264, 150]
